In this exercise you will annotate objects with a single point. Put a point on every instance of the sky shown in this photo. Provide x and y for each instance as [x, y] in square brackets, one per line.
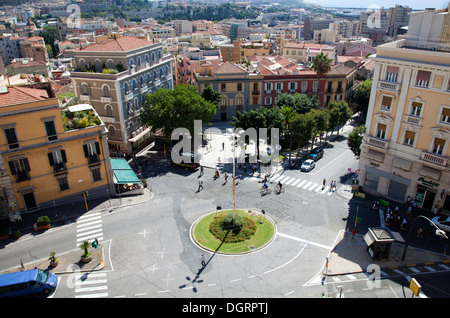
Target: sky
[414, 4]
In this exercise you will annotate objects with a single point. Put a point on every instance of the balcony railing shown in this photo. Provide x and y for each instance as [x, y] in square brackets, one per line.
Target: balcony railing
[128, 96]
[433, 158]
[106, 99]
[383, 144]
[22, 176]
[93, 158]
[58, 167]
[391, 86]
[85, 98]
[414, 120]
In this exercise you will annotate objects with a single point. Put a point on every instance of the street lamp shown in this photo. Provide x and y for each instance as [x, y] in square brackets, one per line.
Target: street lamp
[234, 135]
[438, 232]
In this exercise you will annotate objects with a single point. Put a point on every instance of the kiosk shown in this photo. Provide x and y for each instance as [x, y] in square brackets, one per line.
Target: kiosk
[379, 242]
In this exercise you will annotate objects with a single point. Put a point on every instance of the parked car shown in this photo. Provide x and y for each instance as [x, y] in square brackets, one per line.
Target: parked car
[316, 153]
[189, 165]
[308, 165]
[442, 222]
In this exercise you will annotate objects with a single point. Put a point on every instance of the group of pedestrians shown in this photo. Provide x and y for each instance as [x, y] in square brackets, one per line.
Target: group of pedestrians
[216, 176]
[332, 185]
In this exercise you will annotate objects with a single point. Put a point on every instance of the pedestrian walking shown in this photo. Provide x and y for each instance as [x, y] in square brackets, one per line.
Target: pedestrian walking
[323, 183]
[223, 146]
[200, 185]
[334, 185]
[226, 178]
[201, 171]
[203, 260]
[331, 186]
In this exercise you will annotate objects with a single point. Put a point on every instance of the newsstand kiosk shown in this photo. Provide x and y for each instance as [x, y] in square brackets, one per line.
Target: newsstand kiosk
[379, 241]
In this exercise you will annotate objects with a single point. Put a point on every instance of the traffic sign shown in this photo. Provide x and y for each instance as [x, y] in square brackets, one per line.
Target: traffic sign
[415, 286]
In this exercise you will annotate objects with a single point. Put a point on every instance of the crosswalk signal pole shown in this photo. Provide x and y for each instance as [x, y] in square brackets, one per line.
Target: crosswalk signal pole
[85, 201]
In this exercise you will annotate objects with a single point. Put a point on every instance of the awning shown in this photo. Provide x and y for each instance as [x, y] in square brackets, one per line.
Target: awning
[122, 172]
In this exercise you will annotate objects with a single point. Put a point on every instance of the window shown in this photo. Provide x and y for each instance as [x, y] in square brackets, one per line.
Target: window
[50, 130]
[279, 86]
[11, 138]
[135, 87]
[445, 116]
[139, 61]
[304, 86]
[268, 86]
[223, 87]
[371, 181]
[409, 138]
[63, 183]
[255, 100]
[109, 111]
[20, 168]
[386, 102]
[239, 101]
[92, 152]
[96, 175]
[126, 88]
[381, 131]
[239, 87]
[315, 87]
[255, 86]
[268, 101]
[105, 91]
[391, 74]
[438, 146]
[416, 109]
[57, 159]
[85, 89]
[223, 102]
[423, 78]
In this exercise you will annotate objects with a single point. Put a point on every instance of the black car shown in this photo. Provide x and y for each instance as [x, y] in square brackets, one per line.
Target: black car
[190, 165]
[316, 153]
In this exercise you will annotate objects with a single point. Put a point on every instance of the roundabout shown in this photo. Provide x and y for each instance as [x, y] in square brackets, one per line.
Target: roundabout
[251, 231]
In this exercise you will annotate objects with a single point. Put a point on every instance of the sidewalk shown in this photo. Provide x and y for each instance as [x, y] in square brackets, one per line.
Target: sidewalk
[350, 256]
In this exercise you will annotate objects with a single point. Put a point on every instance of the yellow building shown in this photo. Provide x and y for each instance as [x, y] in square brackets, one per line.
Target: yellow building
[405, 150]
[51, 155]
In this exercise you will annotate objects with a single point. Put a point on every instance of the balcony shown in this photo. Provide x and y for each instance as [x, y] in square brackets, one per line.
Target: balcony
[128, 96]
[379, 143]
[255, 92]
[106, 99]
[413, 120]
[143, 89]
[59, 167]
[390, 86]
[85, 98]
[93, 158]
[22, 176]
[434, 158]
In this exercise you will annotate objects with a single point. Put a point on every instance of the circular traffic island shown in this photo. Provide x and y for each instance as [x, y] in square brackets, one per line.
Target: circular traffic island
[220, 233]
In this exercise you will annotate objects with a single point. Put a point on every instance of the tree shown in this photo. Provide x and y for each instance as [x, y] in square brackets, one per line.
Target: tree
[288, 113]
[211, 95]
[343, 111]
[355, 139]
[321, 119]
[302, 128]
[321, 64]
[169, 109]
[300, 103]
[361, 97]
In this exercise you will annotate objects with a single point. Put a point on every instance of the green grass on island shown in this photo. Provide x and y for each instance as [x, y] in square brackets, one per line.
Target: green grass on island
[263, 228]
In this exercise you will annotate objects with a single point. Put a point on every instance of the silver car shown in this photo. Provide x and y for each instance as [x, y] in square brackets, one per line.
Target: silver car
[308, 165]
[442, 222]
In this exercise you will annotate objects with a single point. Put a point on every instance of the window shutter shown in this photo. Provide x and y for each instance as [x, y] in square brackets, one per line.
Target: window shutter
[97, 147]
[86, 154]
[50, 159]
[27, 165]
[12, 167]
[63, 155]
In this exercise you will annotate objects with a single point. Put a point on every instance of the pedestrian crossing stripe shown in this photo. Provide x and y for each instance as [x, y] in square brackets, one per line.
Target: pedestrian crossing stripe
[301, 183]
[305, 184]
[296, 181]
[289, 182]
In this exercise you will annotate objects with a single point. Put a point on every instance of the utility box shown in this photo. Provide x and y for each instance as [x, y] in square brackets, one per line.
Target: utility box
[379, 242]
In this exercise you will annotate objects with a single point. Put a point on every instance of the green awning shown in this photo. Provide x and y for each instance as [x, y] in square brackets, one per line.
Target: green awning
[122, 172]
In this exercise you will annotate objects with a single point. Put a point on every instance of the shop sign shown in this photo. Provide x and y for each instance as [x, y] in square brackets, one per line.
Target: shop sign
[428, 183]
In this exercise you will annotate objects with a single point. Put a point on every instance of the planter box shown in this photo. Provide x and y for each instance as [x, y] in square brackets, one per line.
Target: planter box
[4, 237]
[43, 227]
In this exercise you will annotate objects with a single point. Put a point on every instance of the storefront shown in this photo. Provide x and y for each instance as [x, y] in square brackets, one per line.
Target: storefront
[125, 180]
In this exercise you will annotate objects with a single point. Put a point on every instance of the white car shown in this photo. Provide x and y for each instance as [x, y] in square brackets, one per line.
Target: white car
[442, 222]
[308, 165]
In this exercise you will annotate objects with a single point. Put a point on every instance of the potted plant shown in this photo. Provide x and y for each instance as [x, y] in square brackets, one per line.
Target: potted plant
[43, 223]
[17, 234]
[86, 257]
[53, 260]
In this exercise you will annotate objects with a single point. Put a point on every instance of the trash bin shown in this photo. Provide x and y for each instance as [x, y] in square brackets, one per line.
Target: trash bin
[379, 242]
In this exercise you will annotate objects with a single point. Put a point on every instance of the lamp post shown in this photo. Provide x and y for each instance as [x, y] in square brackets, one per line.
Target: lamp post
[234, 135]
[438, 232]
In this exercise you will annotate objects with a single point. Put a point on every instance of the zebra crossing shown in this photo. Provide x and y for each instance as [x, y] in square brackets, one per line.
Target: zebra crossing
[89, 227]
[91, 285]
[303, 184]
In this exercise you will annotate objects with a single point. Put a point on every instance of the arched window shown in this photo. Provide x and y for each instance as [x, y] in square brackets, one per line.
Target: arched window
[85, 89]
[153, 56]
[110, 64]
[106, 91]
[159, 54]
[139, 61]
[154, 75]
[149, 78]
[131, 63]
[112, 130]
[126, 87]
[135, 87]
[98, 65]
[109, 111]
[81, 63]
[147, 60]
[141, 81]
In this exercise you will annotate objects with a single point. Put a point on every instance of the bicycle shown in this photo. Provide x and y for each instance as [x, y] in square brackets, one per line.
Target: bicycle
[265, 190]
[277, 189]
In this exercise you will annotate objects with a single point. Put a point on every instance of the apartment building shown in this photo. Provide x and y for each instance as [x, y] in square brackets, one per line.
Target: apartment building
[305, 52]
[240, 90]
[114, 76]
[50, 155]
[405, 149]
